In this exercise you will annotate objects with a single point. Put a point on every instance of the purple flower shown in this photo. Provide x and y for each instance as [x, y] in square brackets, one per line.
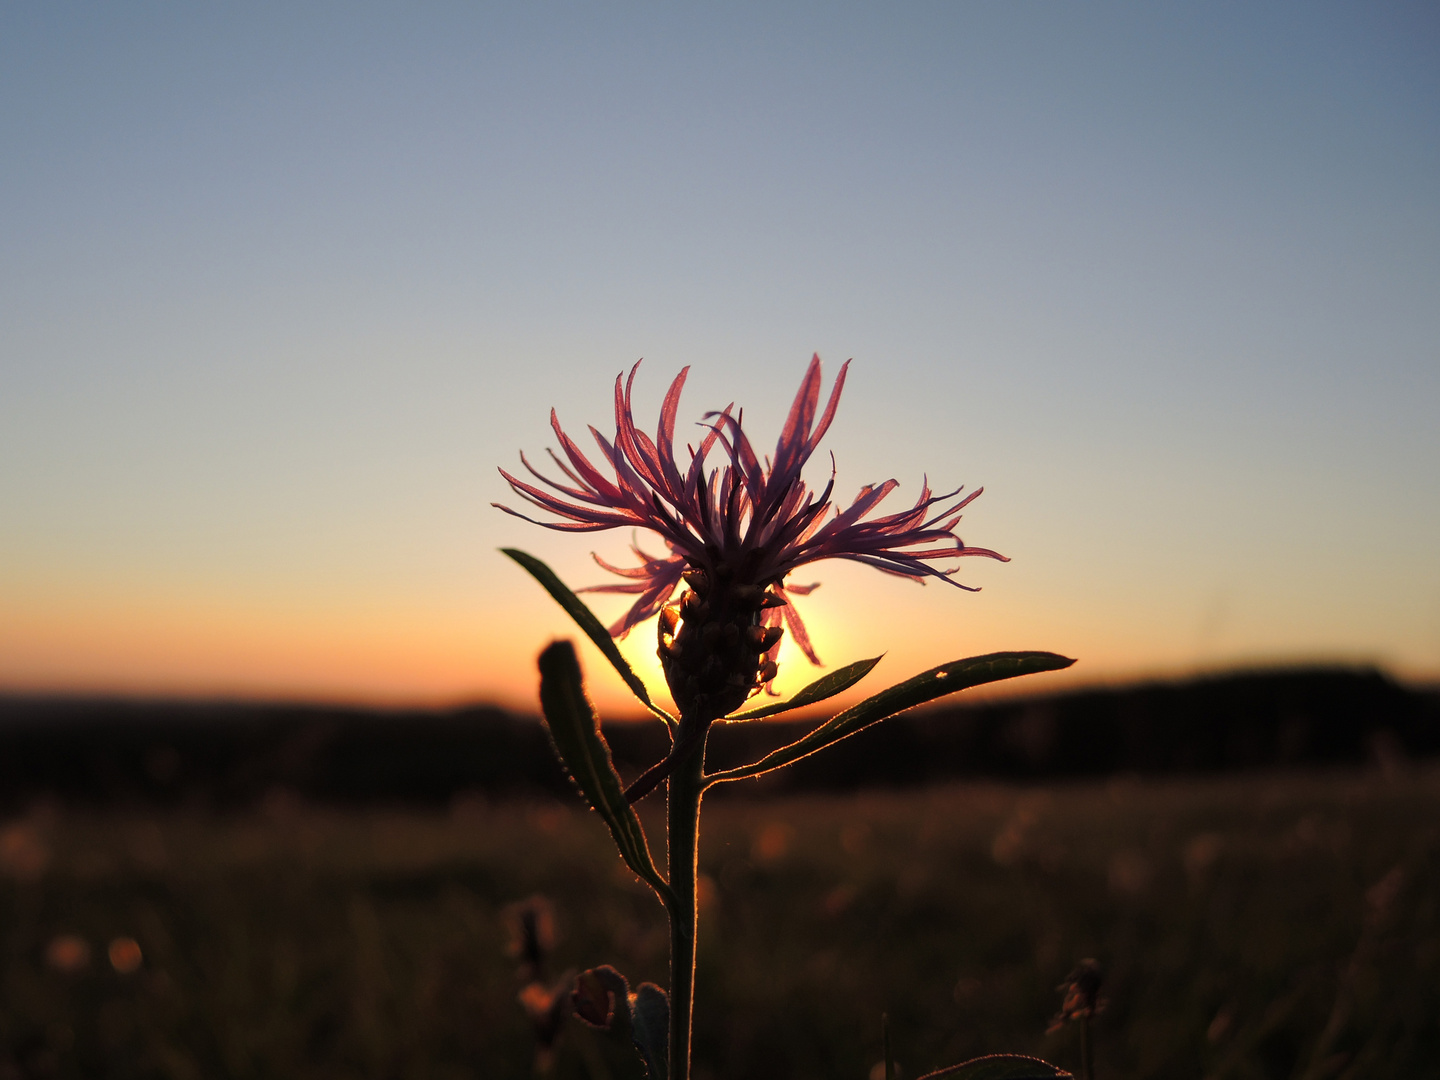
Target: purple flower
[733, 531]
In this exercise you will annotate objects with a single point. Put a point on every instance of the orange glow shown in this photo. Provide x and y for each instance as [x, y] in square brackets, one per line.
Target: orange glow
[171, 647]
[125, 955]
[438, 648]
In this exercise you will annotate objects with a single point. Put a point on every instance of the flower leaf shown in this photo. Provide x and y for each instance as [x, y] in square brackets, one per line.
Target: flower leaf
[575, 732]
[838, 681]
[927, 686]
[586, 620]
[1001, 1067]
[602, 999]
[650, 1028]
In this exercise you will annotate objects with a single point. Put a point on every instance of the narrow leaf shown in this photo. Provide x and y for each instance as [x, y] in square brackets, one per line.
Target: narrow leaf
[838, 681]
[927, 686]
[1001, 1067]
[575, 732]
[593, 627]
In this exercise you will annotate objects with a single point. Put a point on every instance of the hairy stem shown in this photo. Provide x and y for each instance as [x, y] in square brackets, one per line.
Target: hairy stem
[683, 828]
[650, 779]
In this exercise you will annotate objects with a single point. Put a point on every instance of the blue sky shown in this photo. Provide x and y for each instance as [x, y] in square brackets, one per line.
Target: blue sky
[280, 285]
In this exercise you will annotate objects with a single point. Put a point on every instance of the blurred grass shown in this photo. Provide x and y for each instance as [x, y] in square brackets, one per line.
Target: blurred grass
[1258, 926]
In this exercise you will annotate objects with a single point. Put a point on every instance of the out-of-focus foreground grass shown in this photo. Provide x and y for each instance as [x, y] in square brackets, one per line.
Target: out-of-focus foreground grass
[1259, 926]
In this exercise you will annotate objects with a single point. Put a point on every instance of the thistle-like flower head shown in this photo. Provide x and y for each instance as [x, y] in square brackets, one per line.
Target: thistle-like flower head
[1083, 1000]
[734, 527]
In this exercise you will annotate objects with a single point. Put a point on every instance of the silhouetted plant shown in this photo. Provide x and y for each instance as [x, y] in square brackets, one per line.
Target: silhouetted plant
[530, 925]
[733, 534]
[1080, 1005]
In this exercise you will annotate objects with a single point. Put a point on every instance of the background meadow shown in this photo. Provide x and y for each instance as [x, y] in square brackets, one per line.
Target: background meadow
[1257, 926]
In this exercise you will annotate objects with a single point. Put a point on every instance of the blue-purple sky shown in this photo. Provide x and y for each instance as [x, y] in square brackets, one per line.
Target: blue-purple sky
[280, 285]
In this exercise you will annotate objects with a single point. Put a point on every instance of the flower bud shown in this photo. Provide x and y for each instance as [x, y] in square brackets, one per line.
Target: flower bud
[711, 648]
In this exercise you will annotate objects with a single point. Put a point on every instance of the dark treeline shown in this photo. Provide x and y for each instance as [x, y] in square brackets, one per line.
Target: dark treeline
[229, 754]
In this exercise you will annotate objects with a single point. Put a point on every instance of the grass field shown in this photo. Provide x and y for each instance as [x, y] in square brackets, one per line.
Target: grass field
[1259, 926]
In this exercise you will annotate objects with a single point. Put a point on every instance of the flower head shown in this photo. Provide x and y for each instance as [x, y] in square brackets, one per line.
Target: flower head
[734, 526]
[1083, 1000]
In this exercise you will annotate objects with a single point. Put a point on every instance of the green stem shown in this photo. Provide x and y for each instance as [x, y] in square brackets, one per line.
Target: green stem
[683, 828]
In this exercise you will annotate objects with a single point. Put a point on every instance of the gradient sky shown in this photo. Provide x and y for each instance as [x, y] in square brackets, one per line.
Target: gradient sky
[281, 285]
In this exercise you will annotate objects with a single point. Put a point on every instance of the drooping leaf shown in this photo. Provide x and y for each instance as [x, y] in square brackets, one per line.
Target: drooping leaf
[927, 686]
[593, 627]
[575, 732]
[838, 681]
[1001, 1067]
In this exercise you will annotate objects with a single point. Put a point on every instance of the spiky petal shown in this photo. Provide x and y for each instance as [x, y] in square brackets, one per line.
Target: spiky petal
[742, 524]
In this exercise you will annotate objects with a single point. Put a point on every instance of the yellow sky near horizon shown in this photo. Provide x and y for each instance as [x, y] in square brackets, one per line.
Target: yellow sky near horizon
[147, 645]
